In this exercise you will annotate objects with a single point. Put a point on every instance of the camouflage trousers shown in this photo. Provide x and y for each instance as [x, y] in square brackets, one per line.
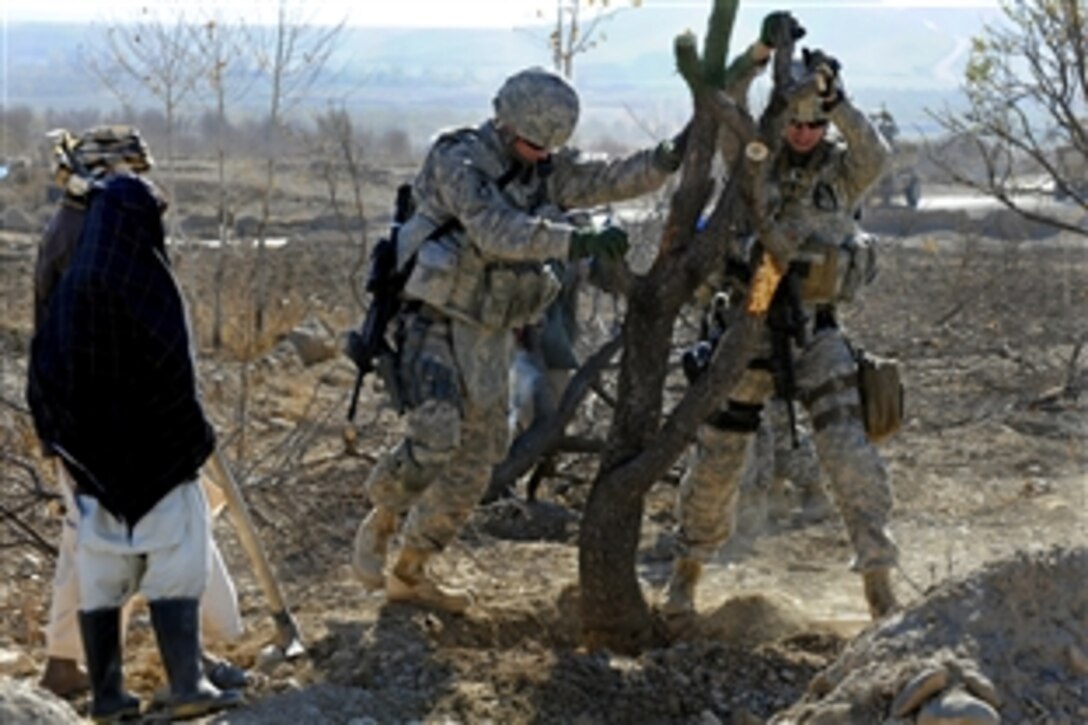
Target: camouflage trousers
[710, 488]
[775, 458]
[455, 384]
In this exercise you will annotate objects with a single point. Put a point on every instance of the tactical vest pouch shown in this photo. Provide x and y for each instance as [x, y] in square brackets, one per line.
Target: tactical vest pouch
[435, 273]
[452, 276]
[836, 272]
[517, 294]
[882, 394]
[820, 284]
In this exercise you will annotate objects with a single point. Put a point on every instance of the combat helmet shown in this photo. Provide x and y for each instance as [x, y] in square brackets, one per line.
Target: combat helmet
[538, 106]
[809, 108]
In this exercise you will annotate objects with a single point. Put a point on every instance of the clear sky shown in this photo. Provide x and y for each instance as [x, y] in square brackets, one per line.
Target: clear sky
[401, 13]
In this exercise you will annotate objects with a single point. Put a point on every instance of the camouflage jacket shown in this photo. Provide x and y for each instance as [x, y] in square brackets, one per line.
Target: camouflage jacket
[525, 219]
[818, 194]
[485, 223]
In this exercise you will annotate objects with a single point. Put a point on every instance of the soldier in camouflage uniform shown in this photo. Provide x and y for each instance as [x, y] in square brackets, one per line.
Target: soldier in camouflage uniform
[491, 205]
[817, 184]
[783, 450]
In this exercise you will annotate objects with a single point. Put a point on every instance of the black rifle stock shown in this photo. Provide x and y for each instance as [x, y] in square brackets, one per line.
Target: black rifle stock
[384, 284]
[786, 319]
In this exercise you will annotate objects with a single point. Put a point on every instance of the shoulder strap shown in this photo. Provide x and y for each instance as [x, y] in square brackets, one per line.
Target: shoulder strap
[454, 224]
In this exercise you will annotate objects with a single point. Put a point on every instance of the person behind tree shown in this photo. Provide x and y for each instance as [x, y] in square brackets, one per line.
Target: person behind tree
[491, 205]
[545, 358]
[817, 184]
[781, 468]
[112, 388]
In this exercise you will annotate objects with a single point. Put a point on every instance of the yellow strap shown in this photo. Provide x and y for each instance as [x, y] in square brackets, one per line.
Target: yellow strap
[764, 283]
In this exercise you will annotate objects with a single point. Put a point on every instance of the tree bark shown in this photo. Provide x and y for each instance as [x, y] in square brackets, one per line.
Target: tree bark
[641, 446]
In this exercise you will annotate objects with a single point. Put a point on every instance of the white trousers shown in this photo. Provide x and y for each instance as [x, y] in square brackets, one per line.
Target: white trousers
[219, 614]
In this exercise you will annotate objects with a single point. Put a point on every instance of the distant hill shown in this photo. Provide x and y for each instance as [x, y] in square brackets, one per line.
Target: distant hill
[418, 79]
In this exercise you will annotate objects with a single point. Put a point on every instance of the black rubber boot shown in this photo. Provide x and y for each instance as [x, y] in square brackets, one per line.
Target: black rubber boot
[101, 630]
[177, 630]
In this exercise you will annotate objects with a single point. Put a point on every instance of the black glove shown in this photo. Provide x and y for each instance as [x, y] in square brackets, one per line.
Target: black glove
[670, 154]
[607, 243]
[828, 69]
[773, 24]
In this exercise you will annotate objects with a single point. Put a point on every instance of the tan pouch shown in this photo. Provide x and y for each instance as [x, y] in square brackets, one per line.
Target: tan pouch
[516, 295]
[821, 283]
[882, 394]
[538, 287]
[501, 290]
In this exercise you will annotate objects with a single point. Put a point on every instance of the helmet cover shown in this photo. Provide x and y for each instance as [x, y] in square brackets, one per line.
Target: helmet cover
[539, 106]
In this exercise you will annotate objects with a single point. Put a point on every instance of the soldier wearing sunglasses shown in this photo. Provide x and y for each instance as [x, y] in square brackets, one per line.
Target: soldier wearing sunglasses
[817, 186]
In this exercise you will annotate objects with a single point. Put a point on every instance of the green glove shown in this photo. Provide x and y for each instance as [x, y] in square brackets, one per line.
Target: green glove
[774, 22]
[607, 243]
[670, 154]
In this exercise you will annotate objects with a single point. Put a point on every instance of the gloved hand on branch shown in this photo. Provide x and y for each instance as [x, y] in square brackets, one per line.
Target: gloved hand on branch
[775, 23]
[827, 69]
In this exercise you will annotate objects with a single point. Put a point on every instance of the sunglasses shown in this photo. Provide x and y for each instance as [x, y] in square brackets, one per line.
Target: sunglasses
[810, 125]
[535, 147]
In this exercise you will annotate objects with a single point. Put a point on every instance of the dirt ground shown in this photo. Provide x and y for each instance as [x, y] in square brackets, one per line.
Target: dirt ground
[991, 515]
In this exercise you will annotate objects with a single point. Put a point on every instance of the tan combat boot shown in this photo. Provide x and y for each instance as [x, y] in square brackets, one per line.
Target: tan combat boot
[409, 583]
[680, 596]
[371, 542]
[879, 593]
[64, 677]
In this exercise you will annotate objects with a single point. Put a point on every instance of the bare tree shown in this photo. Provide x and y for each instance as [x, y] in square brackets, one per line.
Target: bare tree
[221, 46]
[293, 54]
[643, 442]
[1026, 87]
[577, 30]
[152, 55]
[340, 154]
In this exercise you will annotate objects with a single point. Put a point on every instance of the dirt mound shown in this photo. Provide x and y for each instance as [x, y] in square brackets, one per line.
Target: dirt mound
[753, 619]
[1014, 633]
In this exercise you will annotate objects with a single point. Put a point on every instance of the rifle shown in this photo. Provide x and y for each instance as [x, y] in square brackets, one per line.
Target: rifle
[786, 320]
[384, 283]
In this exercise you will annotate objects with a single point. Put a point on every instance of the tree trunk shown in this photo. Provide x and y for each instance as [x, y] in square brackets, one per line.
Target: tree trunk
[641, 447]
